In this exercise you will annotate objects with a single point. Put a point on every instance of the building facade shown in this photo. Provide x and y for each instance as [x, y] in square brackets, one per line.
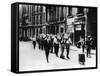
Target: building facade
[32, 18]
[51, 19]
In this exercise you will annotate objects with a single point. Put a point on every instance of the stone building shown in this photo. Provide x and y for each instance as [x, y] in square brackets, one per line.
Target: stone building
[53, 19]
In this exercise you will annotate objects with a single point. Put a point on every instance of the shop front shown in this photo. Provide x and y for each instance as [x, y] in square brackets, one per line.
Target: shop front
[79, 32]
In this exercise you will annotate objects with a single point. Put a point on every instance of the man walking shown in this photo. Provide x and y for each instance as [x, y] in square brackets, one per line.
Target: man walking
[62, 48]
[56, 46]
[34, 41]
[51, 44]
[47, 48]
[67, 44]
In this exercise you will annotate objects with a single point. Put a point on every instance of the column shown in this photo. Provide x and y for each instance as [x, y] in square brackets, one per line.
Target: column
[66, 14]
[39, 14]
[59, 13]
[43, 15]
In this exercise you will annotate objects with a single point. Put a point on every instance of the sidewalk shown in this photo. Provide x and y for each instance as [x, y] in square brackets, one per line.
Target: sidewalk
[30, 59]
[74, 48]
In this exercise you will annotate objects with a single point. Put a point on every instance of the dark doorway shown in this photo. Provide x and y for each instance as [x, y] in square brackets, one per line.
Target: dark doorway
[61, 30]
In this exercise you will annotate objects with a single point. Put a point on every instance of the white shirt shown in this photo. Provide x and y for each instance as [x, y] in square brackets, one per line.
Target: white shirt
[69, 41]
[55, 40]
[33, 39]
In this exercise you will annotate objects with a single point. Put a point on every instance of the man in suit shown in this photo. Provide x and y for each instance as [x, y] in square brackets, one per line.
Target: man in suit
[68, 42]
[33, 41]
[62, 47]
[56, 45]
[47, 47]
[51, 44]
[88, 45]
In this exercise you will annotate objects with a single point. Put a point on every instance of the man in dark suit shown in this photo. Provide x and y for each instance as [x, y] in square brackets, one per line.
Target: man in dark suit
[88, 45]
[51, 44]
[62, 48]
[47, 48]
[56, 46]
[34, 42]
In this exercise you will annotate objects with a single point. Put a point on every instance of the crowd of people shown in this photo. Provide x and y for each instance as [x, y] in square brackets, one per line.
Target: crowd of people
[51, 44]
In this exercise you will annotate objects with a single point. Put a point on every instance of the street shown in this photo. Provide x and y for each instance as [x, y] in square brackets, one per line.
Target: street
[34, 59]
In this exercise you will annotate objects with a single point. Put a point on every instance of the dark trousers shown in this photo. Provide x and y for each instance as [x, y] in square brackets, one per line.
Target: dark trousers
[88, 52]
[42, 46]
[56, 49]
[34, 44]
[47, 54]
[67, 50]
[62, 50]
[39, 45]
[51, 48]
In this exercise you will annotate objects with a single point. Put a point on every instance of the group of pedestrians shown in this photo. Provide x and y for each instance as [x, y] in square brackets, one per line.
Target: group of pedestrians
[52, 44]
[86, 44]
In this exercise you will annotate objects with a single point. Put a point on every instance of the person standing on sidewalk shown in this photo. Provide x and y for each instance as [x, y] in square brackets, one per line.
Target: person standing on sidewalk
[88, 45]
[34, 41]
[51, 44]
[42, 43]
[39, 41]
[56, 46]
[82, 44]
[62, 48]
[68, 42]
